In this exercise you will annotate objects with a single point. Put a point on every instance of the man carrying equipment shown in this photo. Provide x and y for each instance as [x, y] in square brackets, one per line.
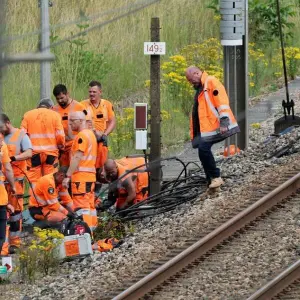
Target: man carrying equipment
[212, 120]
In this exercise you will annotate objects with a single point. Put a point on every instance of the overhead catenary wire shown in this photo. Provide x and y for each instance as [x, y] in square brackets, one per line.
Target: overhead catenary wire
[72, 22]
[99, 25]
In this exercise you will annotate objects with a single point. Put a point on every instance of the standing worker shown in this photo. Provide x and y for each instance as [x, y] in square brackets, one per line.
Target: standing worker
[46, 132]
[212, 120]
[19, 150]
[65, 105]
[82, 172]
[104, 120]
[6, 172]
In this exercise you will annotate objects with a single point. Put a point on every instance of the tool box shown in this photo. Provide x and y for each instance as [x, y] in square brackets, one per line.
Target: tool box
[76, 245]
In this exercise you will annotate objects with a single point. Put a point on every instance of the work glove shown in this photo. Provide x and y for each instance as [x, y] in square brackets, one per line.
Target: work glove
[71, 215]
[104, 140]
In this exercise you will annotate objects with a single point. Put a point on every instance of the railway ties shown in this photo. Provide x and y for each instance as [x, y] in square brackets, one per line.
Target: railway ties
[206, 249]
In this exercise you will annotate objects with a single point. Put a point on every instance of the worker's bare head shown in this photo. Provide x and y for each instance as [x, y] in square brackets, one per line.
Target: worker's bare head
[95, 91]
[193, 76]
[111, 170]
[60, 175]
[77, 120]
[61, 95]
[5, 125]
[45, 103]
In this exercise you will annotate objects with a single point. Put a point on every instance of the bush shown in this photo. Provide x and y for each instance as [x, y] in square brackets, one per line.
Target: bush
[40, 254]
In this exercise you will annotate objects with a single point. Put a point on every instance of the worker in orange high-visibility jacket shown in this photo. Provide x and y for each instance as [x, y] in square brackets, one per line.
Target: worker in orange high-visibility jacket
[19, 149]
[212, 120]
[66, 105]
[50, 200]
[104, 120]
[46, 132]
[6, 173]
[82, 172]
[129, 189]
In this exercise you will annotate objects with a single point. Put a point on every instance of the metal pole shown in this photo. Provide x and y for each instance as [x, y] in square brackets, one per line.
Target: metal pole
[2, 28]
[155, 138]
[234, 39]
[246, 102]
[45, 91]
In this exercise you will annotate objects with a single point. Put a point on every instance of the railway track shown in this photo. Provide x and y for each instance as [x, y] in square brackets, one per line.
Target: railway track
[285, 286]
[195, 251]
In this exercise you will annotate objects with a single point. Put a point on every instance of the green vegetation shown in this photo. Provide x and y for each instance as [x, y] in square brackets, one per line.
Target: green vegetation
[114, 55]
[39, 254]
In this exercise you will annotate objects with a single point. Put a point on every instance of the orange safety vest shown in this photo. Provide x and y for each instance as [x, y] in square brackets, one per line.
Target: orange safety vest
[14, 148]
[141, 178]
[101, 114]
[3, 193]
[46, 195]
[45, 130]
[213, 104]
[74, 106]
[86, 171]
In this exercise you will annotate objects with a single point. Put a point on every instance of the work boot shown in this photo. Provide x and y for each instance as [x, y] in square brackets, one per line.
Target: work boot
[216, 182]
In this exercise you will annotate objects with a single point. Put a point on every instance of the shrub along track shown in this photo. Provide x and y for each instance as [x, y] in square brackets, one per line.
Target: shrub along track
[175, 275]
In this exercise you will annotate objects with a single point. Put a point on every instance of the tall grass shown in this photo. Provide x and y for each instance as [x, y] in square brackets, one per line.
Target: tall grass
[182, 22]
[121, 42]
[126, 68]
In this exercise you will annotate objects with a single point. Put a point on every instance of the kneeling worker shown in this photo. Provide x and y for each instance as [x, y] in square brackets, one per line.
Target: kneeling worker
[131, 188]
[44, 204]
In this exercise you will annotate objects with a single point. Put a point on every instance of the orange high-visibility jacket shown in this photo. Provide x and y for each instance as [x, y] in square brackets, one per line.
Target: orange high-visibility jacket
[45, 130]
[14, 148]
[64, 113]
[213, 104]
[47, 194]
[140, 178]
[101, 114]
[86, 142]
[4, 158]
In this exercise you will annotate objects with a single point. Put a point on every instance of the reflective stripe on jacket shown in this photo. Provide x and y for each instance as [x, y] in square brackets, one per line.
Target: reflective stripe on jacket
[45, 130]
[86, 171]
[213, 111]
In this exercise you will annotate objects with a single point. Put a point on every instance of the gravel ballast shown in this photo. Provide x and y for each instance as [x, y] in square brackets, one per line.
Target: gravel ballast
[96, 276]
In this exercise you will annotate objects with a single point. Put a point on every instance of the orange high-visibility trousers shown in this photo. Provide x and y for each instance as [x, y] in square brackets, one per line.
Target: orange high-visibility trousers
[5, 246]
[102, 155]
[43, 213]
[15, 219]
[40, 165]
[84, 206]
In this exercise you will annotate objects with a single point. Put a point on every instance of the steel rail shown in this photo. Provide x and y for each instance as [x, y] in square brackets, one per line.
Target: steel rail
[278, 284]
[211, 240]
